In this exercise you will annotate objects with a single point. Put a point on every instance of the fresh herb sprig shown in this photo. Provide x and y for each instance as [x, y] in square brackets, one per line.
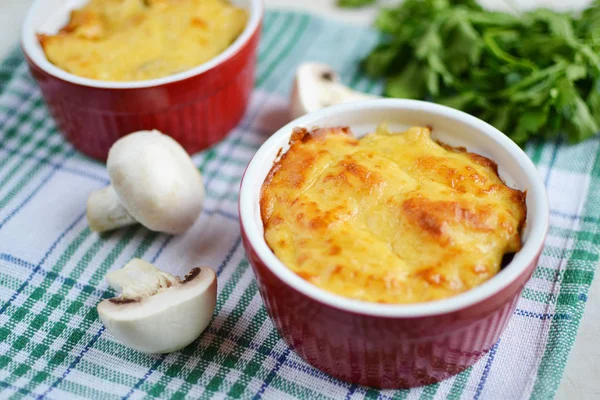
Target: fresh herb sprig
[354, 3]
[532, 75]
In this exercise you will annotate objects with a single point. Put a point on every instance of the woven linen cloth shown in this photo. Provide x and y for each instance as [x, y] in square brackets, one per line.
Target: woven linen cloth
[52, 268]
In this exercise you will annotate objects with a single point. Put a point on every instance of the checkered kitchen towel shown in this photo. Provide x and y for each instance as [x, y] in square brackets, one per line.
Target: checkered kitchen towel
[53, 345]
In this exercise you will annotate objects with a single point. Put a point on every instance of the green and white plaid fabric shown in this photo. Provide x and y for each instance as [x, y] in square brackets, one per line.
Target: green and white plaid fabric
[52, 344]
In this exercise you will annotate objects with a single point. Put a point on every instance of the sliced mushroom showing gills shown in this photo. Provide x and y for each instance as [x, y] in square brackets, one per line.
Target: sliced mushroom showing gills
[317, 86]
[157, 312]
[153, 182]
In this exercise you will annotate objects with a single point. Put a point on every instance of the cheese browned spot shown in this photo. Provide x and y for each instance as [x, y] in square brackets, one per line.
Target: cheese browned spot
[129, 40]
[389, 218]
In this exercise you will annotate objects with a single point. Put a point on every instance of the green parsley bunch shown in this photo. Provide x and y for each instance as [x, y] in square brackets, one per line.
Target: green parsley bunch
[531, 75]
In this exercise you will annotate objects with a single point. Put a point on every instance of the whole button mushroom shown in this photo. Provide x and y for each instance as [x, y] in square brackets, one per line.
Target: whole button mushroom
[156, 311]
[153, 182]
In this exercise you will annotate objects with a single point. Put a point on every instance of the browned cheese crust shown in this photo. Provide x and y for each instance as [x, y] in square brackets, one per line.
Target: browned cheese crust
[390, 218]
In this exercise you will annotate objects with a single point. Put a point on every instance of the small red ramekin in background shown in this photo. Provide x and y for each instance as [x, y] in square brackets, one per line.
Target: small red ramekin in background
[394, 346]
[197, 107]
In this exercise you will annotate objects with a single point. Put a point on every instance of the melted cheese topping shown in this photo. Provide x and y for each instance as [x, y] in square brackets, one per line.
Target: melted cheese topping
[389, 218]
[128, 40]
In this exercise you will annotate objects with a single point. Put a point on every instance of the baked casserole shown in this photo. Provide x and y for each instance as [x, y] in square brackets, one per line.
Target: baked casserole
[131, 40]
[391, 217]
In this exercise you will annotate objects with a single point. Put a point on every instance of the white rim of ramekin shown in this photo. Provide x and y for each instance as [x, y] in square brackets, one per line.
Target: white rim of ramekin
[539, 221]
[29, 42]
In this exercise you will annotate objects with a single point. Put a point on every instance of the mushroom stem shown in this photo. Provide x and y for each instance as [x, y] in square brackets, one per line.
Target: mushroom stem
[139, 279]
[339, 93]
[105, 212]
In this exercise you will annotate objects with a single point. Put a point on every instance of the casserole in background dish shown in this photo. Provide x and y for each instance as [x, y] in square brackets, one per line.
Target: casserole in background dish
[196, 107]
[142, 39]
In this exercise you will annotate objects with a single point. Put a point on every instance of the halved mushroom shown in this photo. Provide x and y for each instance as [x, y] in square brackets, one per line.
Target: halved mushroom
[153, 182]
[317, 86]
[157, 312]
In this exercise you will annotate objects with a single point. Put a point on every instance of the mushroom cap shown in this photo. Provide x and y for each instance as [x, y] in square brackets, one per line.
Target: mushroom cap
[311, 81]
[156, 181]
[316, 86]
[166, 321]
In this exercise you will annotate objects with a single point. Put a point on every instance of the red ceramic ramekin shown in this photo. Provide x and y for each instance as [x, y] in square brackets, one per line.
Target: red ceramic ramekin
[197, 107]
[394, 346]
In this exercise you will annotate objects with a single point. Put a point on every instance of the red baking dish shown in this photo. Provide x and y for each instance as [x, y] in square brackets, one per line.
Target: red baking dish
[197, 107]
[394, 346]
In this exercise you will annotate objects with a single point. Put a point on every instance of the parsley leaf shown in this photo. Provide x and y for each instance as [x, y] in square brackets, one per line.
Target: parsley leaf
[354, 3]
[533, 75]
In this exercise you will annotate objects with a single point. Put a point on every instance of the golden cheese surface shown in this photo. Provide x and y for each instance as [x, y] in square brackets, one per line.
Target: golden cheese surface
[130, 40]
[390, 218]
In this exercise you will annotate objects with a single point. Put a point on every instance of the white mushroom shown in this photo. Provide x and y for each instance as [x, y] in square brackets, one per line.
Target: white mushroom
[157, 312]
[317, 86]
[153, 182]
